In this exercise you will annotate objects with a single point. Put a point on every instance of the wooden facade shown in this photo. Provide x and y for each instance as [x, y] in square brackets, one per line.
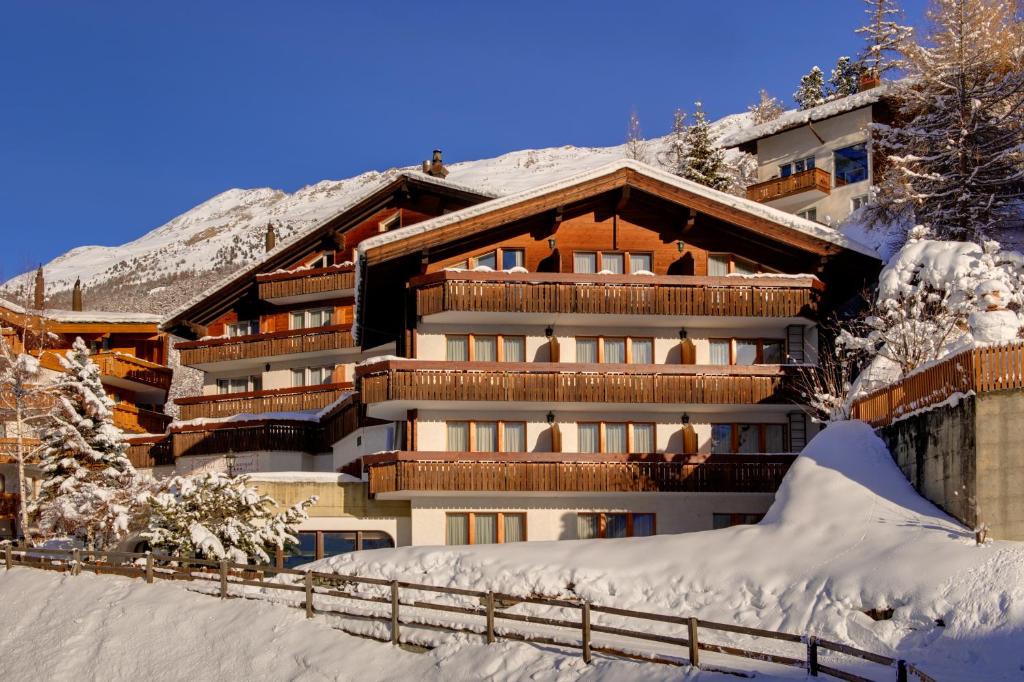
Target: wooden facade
[303, 399]
[306, 282]
[266, 345]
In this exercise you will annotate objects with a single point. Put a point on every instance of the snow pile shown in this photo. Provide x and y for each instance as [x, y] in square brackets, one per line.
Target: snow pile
[847, 533]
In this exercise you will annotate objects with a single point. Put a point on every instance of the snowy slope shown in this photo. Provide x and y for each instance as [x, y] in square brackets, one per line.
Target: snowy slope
[172, 263]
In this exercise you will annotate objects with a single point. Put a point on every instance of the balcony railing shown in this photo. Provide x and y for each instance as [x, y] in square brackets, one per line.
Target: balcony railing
[9, 447]
[306, 283]
[148, 452]
[225, 438]
[570, 472]
[816, 179]
[8, 505]
[425, 380]
[133, 419]
[302, 399]
[267, 345]
[552, 293]
[129, 368]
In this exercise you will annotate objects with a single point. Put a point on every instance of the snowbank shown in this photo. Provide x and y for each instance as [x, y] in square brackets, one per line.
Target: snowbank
[847, 533]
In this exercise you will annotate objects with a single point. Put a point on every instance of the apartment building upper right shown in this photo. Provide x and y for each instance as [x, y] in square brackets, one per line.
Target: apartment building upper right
[816, 163]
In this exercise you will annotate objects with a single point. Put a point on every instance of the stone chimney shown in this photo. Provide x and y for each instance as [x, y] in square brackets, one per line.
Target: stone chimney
[271, 237]
[435, 166]
[40, 294]
[76, 295]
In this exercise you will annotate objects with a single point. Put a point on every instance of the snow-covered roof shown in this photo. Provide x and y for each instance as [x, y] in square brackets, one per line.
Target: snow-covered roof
[799, 117]
[83, 316]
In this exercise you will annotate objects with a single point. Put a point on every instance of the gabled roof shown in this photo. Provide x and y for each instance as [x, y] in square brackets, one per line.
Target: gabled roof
[232, 287]
[801, 117]
[73, 317]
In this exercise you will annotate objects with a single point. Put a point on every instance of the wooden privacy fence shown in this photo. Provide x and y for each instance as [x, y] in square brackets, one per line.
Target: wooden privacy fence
[993, 368]
[399, 605]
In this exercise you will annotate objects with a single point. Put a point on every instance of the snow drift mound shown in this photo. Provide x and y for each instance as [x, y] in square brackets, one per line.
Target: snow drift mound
[847, 533]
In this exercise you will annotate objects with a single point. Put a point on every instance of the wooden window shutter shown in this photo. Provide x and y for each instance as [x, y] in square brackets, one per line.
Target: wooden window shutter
[797, 431]
[689, 440]
[687, 352]
[556, 438]
[795, 343]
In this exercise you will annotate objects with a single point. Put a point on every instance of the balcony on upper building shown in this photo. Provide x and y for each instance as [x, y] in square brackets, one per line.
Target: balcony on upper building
[401, 474]
[453, 296]
[309, 284]
[300, 399]
[9, 448]
[794, 190]
[132, 419]
[391, 387]
[252, 350]
[149, 381]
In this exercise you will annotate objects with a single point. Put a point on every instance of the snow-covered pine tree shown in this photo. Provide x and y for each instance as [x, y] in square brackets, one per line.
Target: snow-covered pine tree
[767, 108]
[704, 162]
[636, 145]
[89, 488]
[673, 159]
[845, 78]
[885, 37]
[956, 152]
[811, 92]
[218, 517]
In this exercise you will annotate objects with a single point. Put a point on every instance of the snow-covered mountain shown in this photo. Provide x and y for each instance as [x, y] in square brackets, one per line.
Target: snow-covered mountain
[174, 262]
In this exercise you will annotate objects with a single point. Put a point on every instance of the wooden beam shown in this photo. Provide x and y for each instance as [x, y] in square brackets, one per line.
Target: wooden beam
[623, 199]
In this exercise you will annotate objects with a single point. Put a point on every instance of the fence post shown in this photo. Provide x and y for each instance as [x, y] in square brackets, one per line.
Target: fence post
[490, 617]
[187, 567]
[394, 612]
[8, 556]
[812, 656]
[586, 631]
[901, 671]
[76, 557]
[309, 594]
[149, 567]
[694, 646]
[223, 579]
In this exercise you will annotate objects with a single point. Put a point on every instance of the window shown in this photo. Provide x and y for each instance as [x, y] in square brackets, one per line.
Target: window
[586, 350]
[513, 349]
[315, 317]
[774, 438]
[851, 164]
[719, 352]
[719, 521]
[588, 437]
[391, 223]
[245, 328]
[458, 436]
[614, 525]
[613, 262]
[742, 266]
[773, 352]
[509, 258]
[640, 262]
[721, 264]
[721, 439]
[324, 260]
[718, 265]
[643, 438]
[239, 384]
[312, 376]
[513, 437]
[303, 553]
[317, 544]
[486, 438]
[748, 438]
[619, 437]
[810, 214]
[456, 348]
[798, 166]
[485, 528]
[615, 350]
[642, 351]
[512, 258]
[746, 352]
[615, 439]
[487, 260]
[858, 202]
[485, 348]
[584, 262]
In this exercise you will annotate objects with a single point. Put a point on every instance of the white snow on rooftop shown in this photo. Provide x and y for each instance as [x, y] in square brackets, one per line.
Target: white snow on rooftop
[83, 316]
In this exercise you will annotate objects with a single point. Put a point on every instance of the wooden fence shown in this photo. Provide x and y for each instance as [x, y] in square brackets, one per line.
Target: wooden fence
[488, 617]
[994, 368]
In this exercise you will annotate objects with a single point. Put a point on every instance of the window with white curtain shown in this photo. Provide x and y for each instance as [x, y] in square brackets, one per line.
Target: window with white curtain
[458, 529]
[458, 437]
[485, 527]
[746, 351]
[721, 438]
[775, 438]
[588, 526]
[586, 350]
[742, 266]
[584, 262]
[613, 262]
[308, 319]
[486, 439]
[298, 377]
[615, 439]
[511, 258]
[515, 527]
[616, 525]
[456, 348]
[643, 351]
[615, 350]
[643, 438]
[514, 437]
[640, 261]
[487, 260]
[719, 351]
[748, 438]
[245, 328]
[588, 437]
[718, 265]
[485, 348]
[513, 348]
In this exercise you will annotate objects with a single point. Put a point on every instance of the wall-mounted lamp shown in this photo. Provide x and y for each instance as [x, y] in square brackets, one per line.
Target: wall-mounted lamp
[266, 367]
[549, 332]
[682, 334]
[680, 245]
[551, 243]
[686, 418]
[551, 417]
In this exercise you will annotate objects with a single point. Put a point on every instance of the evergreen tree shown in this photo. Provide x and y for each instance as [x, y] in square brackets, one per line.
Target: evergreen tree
[845, 79]
[89, 487]
[704, 162]
[766, 109]
[886, 37]
[636, 145]
[218, 517]
[673, 159]
[811, 92]
[956, 154]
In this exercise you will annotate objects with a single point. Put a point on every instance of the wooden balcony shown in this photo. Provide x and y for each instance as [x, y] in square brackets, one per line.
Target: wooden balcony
[306, 285]
[425, 380]
[816, 180]
[566, 293]
[250, 436]
[150, 451]
[131, 369]
[9, 448]
[8, 505]
[303, 399]
[132, 419]
[267, 345]
[572, 472]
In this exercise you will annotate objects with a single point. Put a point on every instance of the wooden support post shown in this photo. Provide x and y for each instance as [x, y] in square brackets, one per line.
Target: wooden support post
[586, 631]
[309, 594]
[8, 556]
[901, 671]
[694, 647]
[223, 579]
[76, 557]
[394, 612]
[149, 567]
[490, 617]
[812, 656]
[187, 568]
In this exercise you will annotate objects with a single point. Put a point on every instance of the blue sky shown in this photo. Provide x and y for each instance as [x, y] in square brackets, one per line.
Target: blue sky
[117, 116]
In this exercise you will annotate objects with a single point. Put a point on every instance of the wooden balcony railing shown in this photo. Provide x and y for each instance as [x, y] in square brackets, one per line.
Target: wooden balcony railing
[130, 368]
[148, 452]
[9, 446]
[571, 472]
[306, 282]
[8, 505]
[567, 293]
[252, 436]
[266, 345]
[777, 188]
[132, 419]
[421, 380]
[301, 399]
